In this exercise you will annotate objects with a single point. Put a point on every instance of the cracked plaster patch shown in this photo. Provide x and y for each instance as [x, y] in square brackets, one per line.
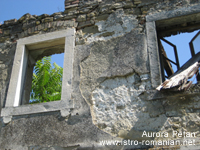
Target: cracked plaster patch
[117, 57]
[117, 106]
[117, 23]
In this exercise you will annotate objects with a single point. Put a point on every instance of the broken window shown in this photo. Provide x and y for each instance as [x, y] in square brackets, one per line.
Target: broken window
[176, 50]
[165, 24]
[178, 64]
[195, 44]
[166, 62]
[183, 76]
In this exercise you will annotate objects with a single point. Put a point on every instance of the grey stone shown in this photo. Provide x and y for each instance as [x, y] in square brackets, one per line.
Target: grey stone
[173, 13]
[7, 119]
[153, 54]
[144, 77]
[58, 17]
[81, 18]
[47, 19]
[16, 29]
[126, 59]
[155, 108]
[112, 81]
[8, 22]
[65, 112]
[114, 57]
[47, 131]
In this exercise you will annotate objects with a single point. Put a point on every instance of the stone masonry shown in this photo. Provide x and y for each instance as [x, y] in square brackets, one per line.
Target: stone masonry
[116, 68]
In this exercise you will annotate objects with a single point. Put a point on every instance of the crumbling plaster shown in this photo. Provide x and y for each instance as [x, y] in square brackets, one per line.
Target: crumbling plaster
[7, 51]
[115, 72]
[117, 24]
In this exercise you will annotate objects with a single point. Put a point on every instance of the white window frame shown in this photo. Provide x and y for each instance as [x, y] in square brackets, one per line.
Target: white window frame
[12, 106]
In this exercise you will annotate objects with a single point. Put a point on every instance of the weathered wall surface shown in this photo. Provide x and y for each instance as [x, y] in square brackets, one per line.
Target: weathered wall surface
[7, 52]
[112, 90]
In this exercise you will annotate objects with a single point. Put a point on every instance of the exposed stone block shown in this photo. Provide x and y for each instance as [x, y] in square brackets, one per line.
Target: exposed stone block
[3, 39]
[39, 27]
[69, 23]
[57, 13]
[42, 16]
[7, 22]
[6, 32]
[84, 10]
[129, 5]
[31, 30]
[53, 24]
[107, 34]
[25, 17]
[69, 17]
[60, 23]
[28, 25]
[85, 24]
[102, 17]
[116, 6]
[71, 6]
[75, 12]
[16, 29]
[81, 18]
[37, 22]
[26, 33]
[47, 25]
[136, 2]
[75, 2]
[47, 19]
[91, 15]
[58, 17]
[20, 35]
[7, 119]
[70, 10]
[36, 28]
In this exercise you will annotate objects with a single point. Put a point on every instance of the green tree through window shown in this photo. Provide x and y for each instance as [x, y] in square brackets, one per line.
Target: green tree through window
[46, 82]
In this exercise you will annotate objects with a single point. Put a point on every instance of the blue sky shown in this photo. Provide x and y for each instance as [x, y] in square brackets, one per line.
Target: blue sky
[15, 9]
[182, 43]
[10, 9]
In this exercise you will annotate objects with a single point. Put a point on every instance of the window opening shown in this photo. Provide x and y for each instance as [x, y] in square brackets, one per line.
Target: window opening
[175, 51]
[195, 44]
[46, 83]
[166, 62]
[36, 56]
[28, 51]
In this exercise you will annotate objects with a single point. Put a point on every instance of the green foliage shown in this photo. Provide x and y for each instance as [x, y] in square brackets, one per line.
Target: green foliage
[46, 82]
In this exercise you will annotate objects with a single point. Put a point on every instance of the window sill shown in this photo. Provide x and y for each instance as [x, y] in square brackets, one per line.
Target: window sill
[37, 108]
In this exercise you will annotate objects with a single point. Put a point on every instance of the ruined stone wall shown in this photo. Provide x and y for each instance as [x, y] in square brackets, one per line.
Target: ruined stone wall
[114, 97]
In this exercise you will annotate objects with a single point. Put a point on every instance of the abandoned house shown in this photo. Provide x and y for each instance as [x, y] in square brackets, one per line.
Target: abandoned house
[119, 90]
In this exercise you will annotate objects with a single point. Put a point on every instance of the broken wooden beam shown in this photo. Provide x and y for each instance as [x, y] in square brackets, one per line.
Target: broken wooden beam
[179, 80]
